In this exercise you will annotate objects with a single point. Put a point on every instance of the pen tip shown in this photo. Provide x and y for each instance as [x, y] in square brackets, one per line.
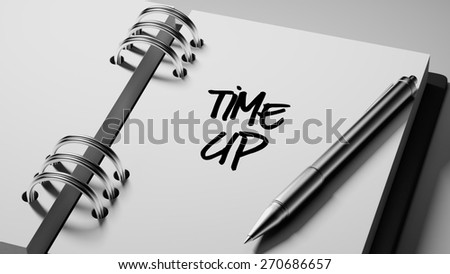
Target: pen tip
[248, 239]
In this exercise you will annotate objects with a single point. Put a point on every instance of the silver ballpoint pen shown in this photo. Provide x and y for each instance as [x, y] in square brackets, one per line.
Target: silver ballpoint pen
[312, 178]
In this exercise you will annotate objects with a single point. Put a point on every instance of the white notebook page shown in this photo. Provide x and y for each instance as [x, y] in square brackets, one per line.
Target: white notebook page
[177, 202]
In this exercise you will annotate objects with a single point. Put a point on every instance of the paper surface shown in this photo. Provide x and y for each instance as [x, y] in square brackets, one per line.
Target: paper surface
[175, 201]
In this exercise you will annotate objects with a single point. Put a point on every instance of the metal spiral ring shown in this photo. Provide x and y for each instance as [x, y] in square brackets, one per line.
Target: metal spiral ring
[64, 178]
[77, 159]
[91, 142]
[178, 15]
[179, 70]
[169, 30]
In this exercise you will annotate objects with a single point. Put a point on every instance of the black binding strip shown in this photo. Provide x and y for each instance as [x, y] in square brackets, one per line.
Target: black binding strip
[68, 198]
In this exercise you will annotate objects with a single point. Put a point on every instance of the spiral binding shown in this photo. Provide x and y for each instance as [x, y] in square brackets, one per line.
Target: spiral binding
[54, 221]
[135, 35]
[188, 55]
[110, 191]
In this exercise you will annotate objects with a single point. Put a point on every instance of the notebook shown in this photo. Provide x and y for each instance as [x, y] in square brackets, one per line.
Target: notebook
[188, 191]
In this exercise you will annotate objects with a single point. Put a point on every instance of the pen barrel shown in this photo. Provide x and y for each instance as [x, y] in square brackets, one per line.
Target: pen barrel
[394, 99]
[311, 179]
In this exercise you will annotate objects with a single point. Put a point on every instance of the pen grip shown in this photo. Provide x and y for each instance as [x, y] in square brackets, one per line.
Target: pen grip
[298, 192]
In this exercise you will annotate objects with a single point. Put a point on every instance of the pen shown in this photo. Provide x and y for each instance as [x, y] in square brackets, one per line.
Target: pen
[312, 178]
